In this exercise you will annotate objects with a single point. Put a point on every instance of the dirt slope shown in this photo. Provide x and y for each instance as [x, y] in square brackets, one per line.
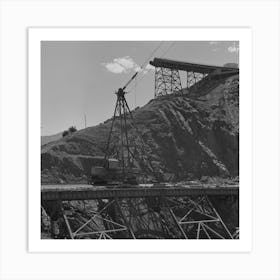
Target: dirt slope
[50, 138]
[185, 138]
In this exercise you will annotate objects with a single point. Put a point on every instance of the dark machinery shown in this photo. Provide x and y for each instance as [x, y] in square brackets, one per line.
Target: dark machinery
[105, 170]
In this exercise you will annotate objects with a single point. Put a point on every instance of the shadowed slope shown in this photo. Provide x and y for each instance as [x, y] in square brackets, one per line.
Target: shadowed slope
[185, 138]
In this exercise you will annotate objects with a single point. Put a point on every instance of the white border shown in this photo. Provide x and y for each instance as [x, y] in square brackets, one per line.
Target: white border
[36, 35]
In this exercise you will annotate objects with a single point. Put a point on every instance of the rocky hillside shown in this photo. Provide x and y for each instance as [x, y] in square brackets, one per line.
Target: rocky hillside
[186, 138]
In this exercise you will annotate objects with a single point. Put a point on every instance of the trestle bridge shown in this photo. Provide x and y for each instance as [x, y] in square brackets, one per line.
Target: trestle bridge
[143, 211]
[200, 78]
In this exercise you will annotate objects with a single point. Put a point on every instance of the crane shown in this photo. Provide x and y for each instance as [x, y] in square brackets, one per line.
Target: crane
[125, 167]
[130, 157]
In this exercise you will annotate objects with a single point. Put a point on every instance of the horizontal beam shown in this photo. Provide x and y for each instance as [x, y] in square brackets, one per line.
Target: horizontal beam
[186, 66]
[88, 192]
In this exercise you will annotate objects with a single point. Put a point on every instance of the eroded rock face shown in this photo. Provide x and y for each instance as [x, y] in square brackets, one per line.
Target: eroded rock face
[185, 138]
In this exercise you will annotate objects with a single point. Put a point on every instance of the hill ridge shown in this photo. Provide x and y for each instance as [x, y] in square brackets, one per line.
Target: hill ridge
[187, 137]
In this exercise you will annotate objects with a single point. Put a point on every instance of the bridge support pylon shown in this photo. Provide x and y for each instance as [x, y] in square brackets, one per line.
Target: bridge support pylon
[167, 81]
[146, 218]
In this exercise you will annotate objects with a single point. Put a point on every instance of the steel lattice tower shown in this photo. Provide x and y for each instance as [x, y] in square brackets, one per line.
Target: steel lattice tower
[167, 81]
[199, 77]
[131, 149]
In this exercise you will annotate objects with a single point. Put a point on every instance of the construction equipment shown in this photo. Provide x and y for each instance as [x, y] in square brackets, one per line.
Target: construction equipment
[126, 168]
[104, 170]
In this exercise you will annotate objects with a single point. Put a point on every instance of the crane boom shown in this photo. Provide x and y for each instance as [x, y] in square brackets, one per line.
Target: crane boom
[131, 79]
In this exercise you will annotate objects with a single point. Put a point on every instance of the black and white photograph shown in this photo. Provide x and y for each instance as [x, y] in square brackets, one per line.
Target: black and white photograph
[140, 139]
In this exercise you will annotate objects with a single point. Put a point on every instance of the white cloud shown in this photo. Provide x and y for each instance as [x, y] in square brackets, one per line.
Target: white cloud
[125, 65]
[122, 65]
[114, 67]
[126, 62]
[234, 48]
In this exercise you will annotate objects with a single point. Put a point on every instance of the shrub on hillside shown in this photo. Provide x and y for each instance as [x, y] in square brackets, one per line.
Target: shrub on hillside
[65, 133]
[72, 129]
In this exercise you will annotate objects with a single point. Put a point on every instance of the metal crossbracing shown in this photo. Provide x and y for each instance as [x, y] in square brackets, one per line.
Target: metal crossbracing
[168, 79]
[128, 147]
[147, 218]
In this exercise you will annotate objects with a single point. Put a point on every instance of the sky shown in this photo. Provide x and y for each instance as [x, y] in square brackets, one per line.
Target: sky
[79, 78]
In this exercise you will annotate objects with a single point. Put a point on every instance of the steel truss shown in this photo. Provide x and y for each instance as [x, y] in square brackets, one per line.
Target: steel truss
[130, 153]
[100, 225]
[198, 219]
[167, 81]
[193, 78]
[149, 218]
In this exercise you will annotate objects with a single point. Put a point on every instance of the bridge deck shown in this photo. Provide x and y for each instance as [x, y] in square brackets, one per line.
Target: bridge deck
[87, 192]
[186, 66]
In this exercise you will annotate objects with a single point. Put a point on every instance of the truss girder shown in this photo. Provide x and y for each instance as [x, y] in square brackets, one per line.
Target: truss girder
[167, 81]
[193, 78]
[148, 218]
